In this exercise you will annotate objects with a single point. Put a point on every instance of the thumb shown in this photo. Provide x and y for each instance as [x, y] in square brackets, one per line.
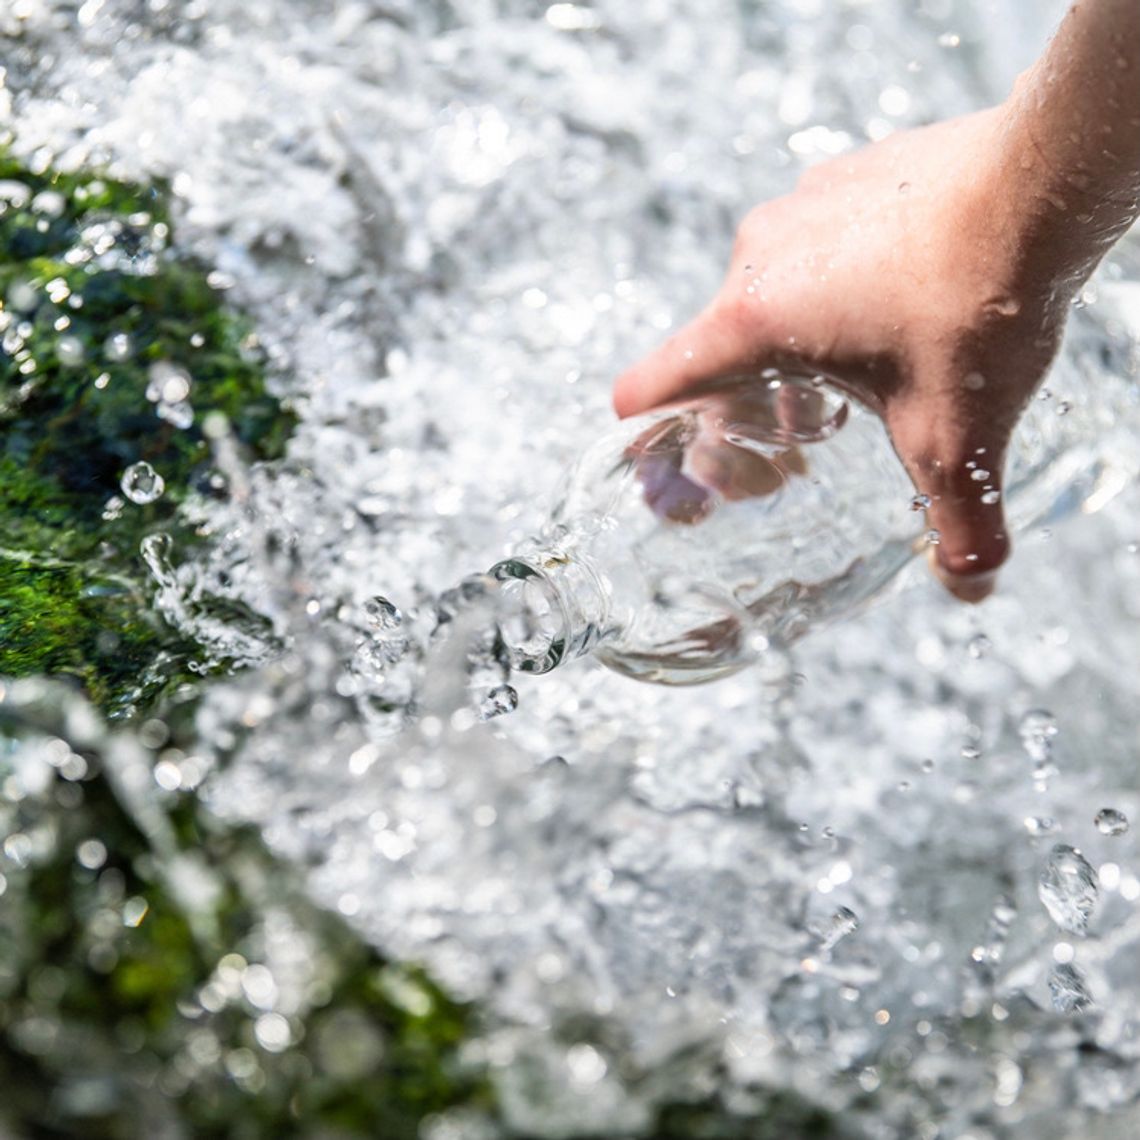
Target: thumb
[957, 467]
[722, 340]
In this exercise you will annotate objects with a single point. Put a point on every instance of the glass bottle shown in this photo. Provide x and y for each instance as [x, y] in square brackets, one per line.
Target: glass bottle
[692, 539]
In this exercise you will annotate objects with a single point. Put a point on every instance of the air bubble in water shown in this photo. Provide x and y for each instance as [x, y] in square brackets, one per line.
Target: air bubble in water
[1068, 989]
[1037, 729]
[141, 483]
[1068, 889]
[1109, 821]
[500, 700]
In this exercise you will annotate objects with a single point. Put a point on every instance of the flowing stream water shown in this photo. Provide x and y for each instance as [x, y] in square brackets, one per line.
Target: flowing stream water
[895, 876]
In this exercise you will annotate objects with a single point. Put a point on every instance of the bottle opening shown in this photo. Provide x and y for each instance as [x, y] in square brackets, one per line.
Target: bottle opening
[553, 607]
[533, 621]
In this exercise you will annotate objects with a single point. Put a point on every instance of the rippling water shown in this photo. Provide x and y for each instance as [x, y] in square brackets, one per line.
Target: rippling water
[453, 223]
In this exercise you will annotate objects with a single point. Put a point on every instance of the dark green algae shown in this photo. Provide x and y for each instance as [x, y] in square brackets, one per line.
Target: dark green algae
[95, 310]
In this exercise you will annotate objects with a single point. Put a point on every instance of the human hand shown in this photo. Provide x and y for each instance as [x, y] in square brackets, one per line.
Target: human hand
[901, 273]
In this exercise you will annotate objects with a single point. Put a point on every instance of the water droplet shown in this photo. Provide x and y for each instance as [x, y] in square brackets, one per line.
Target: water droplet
[1038, 825]
[979, 475]
[933, 537]
[988, 954]
[167, 383]
[970, 752]
[1006, 306]
[1038, 729]
[180, 415]
[1068, 889]
[1068, 989]
[1063, 407]
[118, 347]
[928, 765]
[1109, 821]
[978, 646]
[50, 203]
[949, 40]
[141, 483]
[382, 615]
[974, 381]
[69, 351]
[920, 502]
[843, 922]
[500, 700]
[991, 497]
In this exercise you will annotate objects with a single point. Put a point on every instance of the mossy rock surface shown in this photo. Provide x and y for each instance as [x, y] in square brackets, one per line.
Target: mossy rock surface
[114, 351]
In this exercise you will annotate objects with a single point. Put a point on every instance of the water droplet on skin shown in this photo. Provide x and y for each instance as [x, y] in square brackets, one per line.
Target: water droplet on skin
[1068, 989]
[1038, 729]
[933, 537]
[1109, 821]
[141, 483]
[991, 497]
[1006, 306]
[500, 700]
[974, 381]
[920, 502]
[1068, 889]
[980, 475]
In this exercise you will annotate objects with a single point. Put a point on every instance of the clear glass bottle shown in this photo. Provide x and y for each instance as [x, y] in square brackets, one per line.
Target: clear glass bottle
[692, 539]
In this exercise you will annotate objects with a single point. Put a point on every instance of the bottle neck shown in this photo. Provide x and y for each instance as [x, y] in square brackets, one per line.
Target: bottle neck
[553, 607]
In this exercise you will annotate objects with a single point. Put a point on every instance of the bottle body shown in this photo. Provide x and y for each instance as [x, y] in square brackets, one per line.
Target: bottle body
[693, 538]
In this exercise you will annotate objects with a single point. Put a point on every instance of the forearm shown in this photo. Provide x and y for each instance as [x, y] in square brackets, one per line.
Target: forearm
[1071, 150]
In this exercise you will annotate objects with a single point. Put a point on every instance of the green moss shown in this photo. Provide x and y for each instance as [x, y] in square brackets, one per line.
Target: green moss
[129, 995]
[113, 351]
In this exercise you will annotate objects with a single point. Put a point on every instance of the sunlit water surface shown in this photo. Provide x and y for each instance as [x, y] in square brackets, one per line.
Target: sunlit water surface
[453, 222]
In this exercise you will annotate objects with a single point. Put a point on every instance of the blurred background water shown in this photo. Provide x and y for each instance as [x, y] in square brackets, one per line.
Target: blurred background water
[453, 221]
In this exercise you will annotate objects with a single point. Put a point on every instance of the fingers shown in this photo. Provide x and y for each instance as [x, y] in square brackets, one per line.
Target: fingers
[956, 463]
[719, 342]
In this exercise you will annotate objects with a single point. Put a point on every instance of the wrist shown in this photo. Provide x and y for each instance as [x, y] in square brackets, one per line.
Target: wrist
[1061, 210]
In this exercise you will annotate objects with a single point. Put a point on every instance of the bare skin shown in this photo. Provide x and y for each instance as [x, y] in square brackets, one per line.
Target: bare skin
[931, 274]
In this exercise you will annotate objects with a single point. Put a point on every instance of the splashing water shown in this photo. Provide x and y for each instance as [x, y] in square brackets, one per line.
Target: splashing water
[1068, 889]
[451, 225]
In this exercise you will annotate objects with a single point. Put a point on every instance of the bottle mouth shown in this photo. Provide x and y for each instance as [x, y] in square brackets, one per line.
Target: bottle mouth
[534, 621]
